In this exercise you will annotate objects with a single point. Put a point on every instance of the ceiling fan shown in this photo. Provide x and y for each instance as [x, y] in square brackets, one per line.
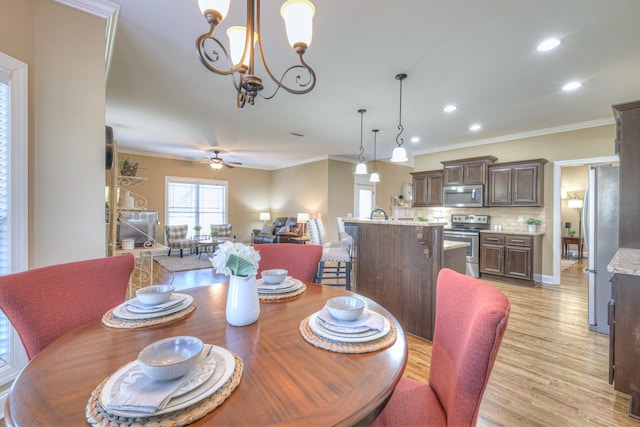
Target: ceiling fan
[217, 162]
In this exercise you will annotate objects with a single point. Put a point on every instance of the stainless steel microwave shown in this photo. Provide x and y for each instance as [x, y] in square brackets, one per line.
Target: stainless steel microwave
[463, 196]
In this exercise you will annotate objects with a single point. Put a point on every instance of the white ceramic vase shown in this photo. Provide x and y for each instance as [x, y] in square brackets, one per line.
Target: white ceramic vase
[532, 228]
[243, 304]
[126, 200]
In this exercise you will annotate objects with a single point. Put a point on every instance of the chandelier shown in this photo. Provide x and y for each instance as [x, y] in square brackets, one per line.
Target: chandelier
[361, 169]
[242, 52]
[375, 176]
[399, 153]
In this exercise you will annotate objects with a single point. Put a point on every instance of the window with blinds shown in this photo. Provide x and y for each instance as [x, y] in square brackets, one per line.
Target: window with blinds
[196, 202]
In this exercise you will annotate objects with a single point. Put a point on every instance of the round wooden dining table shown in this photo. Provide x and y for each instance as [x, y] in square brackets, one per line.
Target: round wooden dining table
[286, 380]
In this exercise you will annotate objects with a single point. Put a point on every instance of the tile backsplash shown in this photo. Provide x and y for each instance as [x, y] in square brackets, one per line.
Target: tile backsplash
[507, 217]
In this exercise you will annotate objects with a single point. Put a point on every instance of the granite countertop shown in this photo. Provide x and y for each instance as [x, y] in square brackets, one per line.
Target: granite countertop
[625, 261]
[450, 244]
[393, 222]
[519, 233]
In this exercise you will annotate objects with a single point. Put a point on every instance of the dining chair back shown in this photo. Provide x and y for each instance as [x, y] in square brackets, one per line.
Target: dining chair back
[335, 264]
[300, 260]
[471, 319]
[44, 303]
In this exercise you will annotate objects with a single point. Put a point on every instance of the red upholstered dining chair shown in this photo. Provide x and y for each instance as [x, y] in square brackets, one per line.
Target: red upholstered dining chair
[471, 319]
[300, 260]
[45, 303]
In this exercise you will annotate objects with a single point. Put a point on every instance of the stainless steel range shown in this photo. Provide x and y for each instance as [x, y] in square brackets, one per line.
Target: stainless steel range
[466, 228]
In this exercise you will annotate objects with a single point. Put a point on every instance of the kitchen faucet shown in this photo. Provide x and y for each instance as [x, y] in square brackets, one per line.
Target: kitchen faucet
[375, 211]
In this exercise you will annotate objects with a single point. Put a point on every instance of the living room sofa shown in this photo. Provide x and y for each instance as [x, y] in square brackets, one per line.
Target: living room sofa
[283, 230]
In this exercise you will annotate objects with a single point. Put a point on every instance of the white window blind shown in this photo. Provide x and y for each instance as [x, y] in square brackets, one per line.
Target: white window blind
[196, 202]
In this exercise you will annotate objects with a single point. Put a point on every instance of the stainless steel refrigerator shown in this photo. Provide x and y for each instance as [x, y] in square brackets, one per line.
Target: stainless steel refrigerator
[601, 239]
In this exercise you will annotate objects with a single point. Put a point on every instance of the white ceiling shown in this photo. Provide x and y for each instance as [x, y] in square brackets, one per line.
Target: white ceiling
[479, 55]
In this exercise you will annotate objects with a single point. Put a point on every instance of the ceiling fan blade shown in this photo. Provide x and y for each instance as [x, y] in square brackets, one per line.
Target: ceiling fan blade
[228, 165]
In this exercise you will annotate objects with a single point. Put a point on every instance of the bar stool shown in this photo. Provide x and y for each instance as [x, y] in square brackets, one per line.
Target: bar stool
[335, 263]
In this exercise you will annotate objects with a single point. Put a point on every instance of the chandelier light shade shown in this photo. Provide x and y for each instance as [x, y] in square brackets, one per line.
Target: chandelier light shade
[361, 169]
[399, 154]
[375, 177]
[215, 165]
[245, 47]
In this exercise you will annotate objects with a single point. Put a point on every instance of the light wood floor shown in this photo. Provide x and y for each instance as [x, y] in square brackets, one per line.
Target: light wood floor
[550, 371]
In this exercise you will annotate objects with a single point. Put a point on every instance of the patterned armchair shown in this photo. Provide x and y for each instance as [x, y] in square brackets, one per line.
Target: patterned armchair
[221, 232]
[176, 238]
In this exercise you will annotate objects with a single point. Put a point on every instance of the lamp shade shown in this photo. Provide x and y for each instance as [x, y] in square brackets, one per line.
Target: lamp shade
[361, 169]
[220, 6]
[215, 165]
[399, 155]
[375, 177]
[303, 217]
[237, 36]
[298, 19]
[575, 203]
[265, 216]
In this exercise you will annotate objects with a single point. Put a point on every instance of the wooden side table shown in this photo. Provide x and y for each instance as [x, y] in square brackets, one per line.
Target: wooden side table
[572, 240]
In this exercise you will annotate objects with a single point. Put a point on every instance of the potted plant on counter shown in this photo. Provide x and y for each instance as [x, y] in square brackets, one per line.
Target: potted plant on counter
[533, 223]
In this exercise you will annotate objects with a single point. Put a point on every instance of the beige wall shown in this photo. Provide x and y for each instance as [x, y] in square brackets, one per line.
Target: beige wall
[580, 144]
[249, 189]
[392, 176]
[64, 49]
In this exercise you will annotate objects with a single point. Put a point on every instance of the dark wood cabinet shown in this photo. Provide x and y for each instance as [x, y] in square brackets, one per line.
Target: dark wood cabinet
[628, 148]
[510, 256]
[516, 183]
[467, 171]
[427, 188]
[624, 351]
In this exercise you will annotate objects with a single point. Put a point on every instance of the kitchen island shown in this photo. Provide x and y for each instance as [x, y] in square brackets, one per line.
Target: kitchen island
[397, 266]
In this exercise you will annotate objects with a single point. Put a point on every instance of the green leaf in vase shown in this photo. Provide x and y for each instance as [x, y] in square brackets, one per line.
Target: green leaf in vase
[238, 266]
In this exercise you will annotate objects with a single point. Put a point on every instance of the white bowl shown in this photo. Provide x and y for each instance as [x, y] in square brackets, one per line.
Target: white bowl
[170, 358]
[274, 276]
[345, 308]
[153, 295]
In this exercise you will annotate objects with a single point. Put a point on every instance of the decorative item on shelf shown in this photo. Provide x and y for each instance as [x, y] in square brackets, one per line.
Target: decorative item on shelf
[240, 263]
[375, 177]
[126, 200]
[265, 216]
[399, 154]
[243, 54]
[361, 169]
[128, 167]
[533, 224]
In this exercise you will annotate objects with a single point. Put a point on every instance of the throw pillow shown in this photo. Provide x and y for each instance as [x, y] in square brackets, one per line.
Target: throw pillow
[267, 230]
[283, 230]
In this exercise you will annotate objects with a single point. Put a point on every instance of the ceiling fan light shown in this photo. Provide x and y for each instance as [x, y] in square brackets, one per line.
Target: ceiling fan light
[298, 20]
[399, 155]
[361, 169]
[375, 177]
[216, 165]
[220, 6]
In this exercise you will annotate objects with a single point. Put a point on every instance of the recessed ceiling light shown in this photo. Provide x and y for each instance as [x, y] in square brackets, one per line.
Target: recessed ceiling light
[450, 108]
[571, 86]
[415, 139]
[475, 127]
[548, 44]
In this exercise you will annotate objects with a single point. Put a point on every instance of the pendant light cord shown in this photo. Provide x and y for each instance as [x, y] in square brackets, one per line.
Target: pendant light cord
[399, 140]
[361, 156]
[375, 133]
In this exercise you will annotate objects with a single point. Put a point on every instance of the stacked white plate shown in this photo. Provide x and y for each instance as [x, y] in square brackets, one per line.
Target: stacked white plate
[136, 310]
[368, 327]
[216, 368]
[287, 285]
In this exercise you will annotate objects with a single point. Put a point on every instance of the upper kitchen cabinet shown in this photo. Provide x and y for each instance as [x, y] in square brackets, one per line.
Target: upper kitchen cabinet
[467, 171]
[427, 188]
[516, 183]
[628, 149]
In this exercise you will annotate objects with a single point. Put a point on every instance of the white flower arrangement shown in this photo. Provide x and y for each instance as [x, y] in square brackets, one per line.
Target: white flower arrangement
[236, 259]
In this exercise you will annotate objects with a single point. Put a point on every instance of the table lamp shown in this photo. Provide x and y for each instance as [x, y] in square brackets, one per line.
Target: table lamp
[303, 217]
[265, 216]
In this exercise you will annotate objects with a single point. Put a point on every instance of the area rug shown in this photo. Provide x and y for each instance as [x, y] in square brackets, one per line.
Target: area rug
[566, 263]
[188, 262]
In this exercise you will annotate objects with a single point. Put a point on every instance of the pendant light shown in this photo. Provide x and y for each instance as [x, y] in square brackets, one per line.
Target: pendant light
[361, 169]
[399, 153]
[375, 177]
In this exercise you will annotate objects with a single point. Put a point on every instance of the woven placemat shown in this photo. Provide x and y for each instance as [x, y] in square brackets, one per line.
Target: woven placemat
[96, 415]
[284, 296]
[347, 347]
[111, 321]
